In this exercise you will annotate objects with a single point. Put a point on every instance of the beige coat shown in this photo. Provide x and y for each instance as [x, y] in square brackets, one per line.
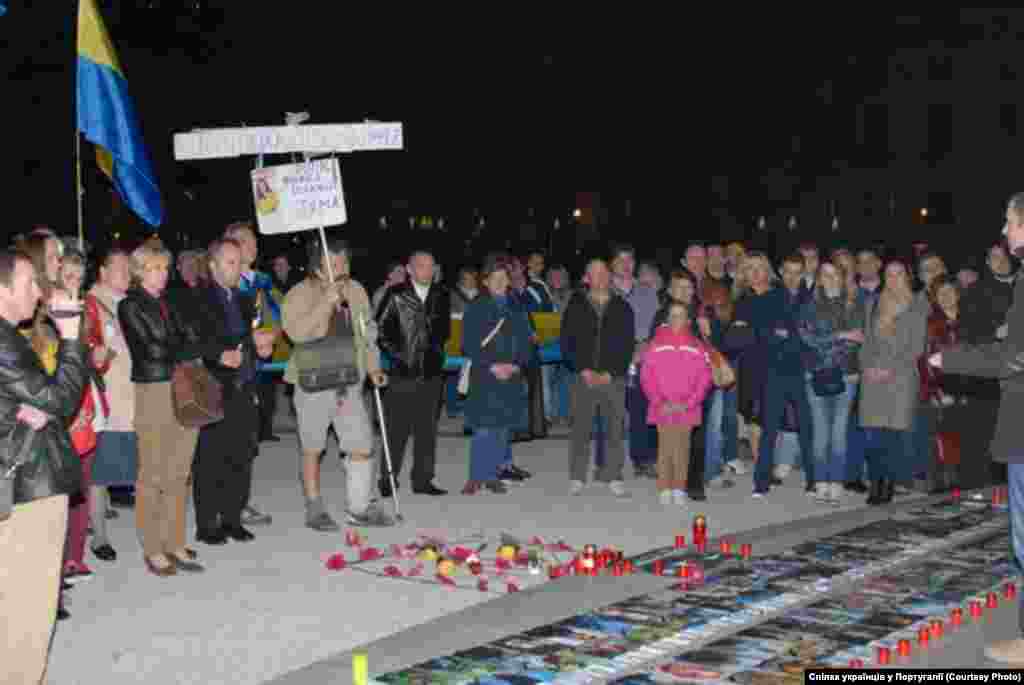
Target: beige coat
[306, 316]
[120, 389]
[893, 403]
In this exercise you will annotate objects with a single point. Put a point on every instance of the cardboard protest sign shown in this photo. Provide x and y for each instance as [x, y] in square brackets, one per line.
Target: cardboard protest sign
[299, 197]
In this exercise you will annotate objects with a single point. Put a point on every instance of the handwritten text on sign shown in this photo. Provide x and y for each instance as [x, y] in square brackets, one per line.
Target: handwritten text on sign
[299, 197]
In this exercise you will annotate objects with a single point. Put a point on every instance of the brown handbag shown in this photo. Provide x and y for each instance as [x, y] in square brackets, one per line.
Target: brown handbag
[722, 373]
[198, 397]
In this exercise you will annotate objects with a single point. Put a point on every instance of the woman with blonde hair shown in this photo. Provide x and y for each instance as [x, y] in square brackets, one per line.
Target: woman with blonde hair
[158, 340]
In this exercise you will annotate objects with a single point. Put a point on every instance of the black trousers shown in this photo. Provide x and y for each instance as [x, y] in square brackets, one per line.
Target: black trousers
[695, 472]
[266, 388]
[222, 472]
[410, 408]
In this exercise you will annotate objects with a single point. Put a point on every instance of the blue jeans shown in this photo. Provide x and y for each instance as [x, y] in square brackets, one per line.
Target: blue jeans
[452, 400]
[831, 420]
[885, 451]
[721, 431]
[557, 380]
[855, 446]
[643, 437]
[488, 449]
[778, 389]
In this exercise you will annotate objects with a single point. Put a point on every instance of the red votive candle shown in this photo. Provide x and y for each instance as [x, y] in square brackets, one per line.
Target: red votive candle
[629, 566]
[903, 647]
[923, 635]
[856, 663]
[976, 609]
[659, 567]
[882, 656]
[937, 627]
[957, 615]
[992, 601]
[1010, 590]
[746, 550]
[725, 546]
[680, 541]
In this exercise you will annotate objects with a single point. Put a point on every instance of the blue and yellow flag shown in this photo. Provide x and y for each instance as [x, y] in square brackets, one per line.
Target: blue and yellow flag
[107, 119]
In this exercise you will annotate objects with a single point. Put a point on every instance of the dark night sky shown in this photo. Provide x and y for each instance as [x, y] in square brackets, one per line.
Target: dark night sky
[495, 117]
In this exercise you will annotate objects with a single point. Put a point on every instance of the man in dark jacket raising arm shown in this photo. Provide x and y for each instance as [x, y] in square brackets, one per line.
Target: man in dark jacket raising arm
[32, 537]
[1004, 360]
[597, 342]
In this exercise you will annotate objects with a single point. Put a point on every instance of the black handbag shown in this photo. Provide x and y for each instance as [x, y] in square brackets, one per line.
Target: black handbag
[326, 364]
[50, 470]
[15, 454]
[828, 382]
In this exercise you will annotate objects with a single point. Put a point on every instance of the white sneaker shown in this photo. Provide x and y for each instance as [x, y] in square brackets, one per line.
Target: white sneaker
[665, 497]
[679, 498]
[618, 489]
[821, 493]
[757, 495]
[576, 487]
[782, 470]
[836, 493]
[737, 467]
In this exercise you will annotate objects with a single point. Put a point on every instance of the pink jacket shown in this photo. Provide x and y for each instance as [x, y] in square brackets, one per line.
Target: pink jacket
[676, 369]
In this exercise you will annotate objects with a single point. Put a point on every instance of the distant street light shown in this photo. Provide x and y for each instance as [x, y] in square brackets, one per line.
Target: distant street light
[577, 213]
[924, 211]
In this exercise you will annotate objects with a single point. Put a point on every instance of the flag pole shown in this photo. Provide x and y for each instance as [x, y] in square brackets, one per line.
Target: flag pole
[79, 190]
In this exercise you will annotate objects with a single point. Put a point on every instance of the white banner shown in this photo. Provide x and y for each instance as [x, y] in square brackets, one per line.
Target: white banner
[299, 197]
[267, 140]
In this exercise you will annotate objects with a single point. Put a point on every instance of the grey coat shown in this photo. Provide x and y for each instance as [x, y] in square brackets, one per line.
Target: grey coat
[1001, 360]
[892, 404]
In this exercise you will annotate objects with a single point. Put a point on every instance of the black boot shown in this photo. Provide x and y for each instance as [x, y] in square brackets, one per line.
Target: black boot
[875, 493]
[888, 490]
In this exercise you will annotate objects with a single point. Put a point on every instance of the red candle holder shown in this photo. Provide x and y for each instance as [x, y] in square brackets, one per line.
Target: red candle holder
[629, 567]
[725, 547]
[617, 570]
[856, 663]
[903, 647]
[937, 627]
[680, 541]
[923, 636]
[957, 615]
[992, 601]
[746, 550]
[1010, 590]
[683, 570]
[659, 567]
[976, 609]
[956, 494]
[882, 656]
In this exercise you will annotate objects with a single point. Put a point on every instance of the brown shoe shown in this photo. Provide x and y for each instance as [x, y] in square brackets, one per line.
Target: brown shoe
[164, 572]
[1007, 652]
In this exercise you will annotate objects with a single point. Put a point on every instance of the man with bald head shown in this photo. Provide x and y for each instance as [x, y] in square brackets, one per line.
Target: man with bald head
[598, 339]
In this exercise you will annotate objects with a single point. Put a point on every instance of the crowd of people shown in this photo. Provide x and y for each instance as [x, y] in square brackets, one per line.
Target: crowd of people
[830, 362]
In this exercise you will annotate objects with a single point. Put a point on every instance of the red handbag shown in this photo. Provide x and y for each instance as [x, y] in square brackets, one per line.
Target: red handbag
[947, 448]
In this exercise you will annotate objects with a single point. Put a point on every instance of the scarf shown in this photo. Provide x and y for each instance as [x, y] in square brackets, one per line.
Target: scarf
[891, 304]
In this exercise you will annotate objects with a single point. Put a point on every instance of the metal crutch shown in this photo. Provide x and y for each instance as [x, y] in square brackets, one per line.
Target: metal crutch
[387, 453]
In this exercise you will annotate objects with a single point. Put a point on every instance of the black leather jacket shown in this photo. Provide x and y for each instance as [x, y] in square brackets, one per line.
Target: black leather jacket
[156, 343]
[24, 381]
[413, 333]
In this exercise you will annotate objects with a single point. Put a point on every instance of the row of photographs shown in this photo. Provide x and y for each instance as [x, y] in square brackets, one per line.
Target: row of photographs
[603, 644]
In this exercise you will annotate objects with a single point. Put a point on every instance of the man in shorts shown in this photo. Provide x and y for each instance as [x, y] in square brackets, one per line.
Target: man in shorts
[329, 303]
